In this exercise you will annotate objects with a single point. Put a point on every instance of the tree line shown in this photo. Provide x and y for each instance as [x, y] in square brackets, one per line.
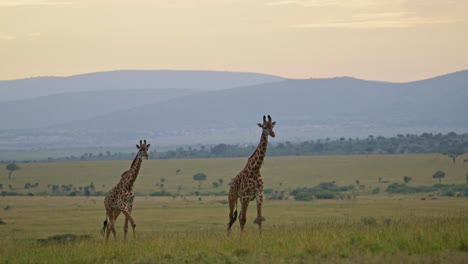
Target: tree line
[451, 144]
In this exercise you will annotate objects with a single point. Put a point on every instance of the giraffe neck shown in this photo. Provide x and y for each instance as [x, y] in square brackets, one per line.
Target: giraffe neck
[256, 159]
[134, 170]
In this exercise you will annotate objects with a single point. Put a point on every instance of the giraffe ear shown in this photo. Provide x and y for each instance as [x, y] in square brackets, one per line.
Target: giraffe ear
[148, 145]
[138, 147]
[260, 125]
[274, 123]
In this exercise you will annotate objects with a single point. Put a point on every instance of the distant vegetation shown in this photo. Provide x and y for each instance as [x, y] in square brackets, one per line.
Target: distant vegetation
[452, 145]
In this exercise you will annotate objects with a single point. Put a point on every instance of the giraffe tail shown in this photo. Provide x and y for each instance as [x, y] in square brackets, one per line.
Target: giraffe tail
[104, 227]
[233, 219]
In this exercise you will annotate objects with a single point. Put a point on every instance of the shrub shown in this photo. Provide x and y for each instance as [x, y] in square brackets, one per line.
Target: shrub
[160, 193]
[303, 196]
[324, 190]
[444, 189]
[325, 195]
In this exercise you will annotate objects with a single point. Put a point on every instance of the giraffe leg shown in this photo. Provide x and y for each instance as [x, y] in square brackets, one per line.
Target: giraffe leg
[108, 226]
[125, 228]
[260, 218]
[130, 208]
[112, 226]
[129, 217]
[243, 214]
[112, 215]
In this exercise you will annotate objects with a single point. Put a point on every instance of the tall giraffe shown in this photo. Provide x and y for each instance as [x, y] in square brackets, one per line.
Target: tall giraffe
[248, 184]
[120, 198]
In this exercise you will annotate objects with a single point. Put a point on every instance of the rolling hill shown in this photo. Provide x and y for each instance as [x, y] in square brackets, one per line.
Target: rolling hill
[304, 109]
[12, 90]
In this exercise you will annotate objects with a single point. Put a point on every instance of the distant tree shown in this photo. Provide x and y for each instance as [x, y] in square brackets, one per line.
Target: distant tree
[220, 149]
[91, 187]
[220, 181]
[454, 154]
[87, 192]
[11, 167]
[439, 175]
[199, 177]
[407, 179]
[215, 184]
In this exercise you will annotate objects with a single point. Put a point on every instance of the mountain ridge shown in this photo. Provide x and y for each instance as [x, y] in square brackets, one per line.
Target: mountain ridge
[304, 108]
[11, 90]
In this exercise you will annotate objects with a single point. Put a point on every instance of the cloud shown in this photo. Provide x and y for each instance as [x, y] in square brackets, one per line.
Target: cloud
[7, 37]
[18, 3]
[375, 13]
[353, 4]
[282, 3]
[30, 36]
[382, 20]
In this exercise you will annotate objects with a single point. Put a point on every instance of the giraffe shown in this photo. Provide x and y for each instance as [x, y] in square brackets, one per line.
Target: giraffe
[248, 184]
[120, 198]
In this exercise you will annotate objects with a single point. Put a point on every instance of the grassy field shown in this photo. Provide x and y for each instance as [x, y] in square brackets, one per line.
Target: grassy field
[371, 229]
[191, 229]
[280, 173]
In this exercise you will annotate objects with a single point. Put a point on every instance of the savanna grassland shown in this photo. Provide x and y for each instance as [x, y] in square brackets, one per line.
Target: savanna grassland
[418, 228]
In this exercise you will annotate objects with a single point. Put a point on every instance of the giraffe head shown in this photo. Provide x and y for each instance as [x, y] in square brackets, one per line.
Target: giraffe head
[143, 149]
[268, 126]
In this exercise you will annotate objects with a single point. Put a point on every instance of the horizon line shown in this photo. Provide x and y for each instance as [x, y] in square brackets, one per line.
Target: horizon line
[228, 71]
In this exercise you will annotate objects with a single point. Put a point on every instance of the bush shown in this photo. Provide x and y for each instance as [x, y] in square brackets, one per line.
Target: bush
[324, 190]
[443, 189]
[303, 196]
[325, 195]
[161, 193]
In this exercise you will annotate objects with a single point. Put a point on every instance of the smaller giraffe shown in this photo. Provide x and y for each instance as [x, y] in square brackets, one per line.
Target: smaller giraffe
[248, 184]
[120, 198]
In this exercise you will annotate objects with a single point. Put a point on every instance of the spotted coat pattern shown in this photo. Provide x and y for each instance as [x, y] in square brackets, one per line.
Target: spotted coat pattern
[248, 184]
[120, 198]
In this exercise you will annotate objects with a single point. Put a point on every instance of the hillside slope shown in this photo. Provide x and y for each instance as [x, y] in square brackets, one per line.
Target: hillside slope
[304, 109]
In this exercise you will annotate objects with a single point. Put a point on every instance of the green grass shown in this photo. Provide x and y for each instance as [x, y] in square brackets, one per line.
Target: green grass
[185, 229]
[169, 230]
[281, 173]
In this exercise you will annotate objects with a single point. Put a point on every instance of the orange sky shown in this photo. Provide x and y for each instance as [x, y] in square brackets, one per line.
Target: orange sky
[391, 40]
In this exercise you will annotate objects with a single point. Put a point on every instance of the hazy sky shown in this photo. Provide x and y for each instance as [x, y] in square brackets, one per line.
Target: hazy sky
[392, 40]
